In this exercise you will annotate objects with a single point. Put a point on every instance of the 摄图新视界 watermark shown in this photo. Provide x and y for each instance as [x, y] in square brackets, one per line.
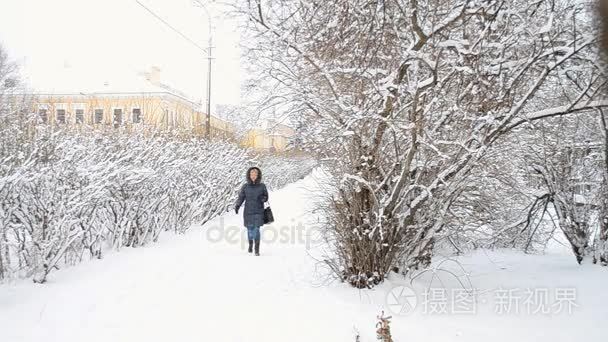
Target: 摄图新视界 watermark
[403, 300]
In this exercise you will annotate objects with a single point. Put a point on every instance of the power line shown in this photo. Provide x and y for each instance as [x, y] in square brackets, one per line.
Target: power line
[171, 27]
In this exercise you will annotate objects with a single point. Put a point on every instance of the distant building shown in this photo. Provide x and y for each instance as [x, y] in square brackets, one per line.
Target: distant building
[272, 136]
[142, 102]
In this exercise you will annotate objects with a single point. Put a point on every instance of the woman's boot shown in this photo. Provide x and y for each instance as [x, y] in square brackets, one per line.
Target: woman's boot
[250, 249]
[257, 247]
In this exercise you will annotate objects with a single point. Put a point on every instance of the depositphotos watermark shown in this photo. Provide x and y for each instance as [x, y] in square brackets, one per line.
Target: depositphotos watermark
[296, 233]
[403, 300]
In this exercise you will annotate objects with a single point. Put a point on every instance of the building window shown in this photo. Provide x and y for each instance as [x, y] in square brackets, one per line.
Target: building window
[79, 113]
[78, 109]
[117, 117]
[44, 116]
[98, 116]
[136, 115]
[61, 116]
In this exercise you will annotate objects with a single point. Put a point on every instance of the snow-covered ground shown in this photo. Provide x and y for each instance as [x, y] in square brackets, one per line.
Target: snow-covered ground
[203, 286]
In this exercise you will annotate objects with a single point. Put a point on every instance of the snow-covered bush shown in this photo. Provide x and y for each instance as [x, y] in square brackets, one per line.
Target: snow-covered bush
[280, 170]
[76, 195]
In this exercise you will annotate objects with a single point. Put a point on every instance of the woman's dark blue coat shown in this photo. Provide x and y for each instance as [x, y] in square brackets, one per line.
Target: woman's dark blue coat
[254, 194]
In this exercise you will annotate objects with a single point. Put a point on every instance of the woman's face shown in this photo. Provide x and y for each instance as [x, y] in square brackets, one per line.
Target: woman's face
[253, 174]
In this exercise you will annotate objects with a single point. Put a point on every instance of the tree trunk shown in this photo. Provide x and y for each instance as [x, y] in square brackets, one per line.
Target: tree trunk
[602, 245]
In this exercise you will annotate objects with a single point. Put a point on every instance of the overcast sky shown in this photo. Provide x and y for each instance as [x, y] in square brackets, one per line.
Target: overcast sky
[107, 38]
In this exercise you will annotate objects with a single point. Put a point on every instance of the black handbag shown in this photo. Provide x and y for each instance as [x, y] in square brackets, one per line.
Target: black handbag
[268, 217]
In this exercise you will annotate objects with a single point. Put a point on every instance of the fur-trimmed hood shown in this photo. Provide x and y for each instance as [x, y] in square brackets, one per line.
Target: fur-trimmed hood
[257, 180]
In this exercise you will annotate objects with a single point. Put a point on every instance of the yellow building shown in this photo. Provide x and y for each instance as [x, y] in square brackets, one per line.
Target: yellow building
[273, 136]
[145, 104]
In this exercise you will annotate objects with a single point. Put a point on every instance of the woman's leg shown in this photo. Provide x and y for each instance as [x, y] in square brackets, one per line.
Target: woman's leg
[256, 236]
[250, 238]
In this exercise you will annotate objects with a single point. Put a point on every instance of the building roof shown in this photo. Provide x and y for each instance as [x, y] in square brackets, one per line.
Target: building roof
[101, 81]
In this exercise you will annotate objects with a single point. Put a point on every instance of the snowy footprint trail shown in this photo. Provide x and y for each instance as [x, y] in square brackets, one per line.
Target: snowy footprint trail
[203, 286]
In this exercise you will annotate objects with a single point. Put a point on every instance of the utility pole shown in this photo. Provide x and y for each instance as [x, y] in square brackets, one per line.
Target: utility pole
[207, 50]
[209, 58]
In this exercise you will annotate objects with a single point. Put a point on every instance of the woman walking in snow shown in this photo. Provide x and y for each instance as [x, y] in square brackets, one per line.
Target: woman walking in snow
[254, 194]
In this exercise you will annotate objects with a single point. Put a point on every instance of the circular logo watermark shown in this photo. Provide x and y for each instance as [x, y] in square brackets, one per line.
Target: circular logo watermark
[401, 300]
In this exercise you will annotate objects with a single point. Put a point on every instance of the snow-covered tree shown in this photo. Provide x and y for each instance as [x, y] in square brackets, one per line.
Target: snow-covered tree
[404, 98]
[569, 165]
[601, 247]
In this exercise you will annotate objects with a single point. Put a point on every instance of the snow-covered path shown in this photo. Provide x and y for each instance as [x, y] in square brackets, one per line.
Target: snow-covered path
[203, 286]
